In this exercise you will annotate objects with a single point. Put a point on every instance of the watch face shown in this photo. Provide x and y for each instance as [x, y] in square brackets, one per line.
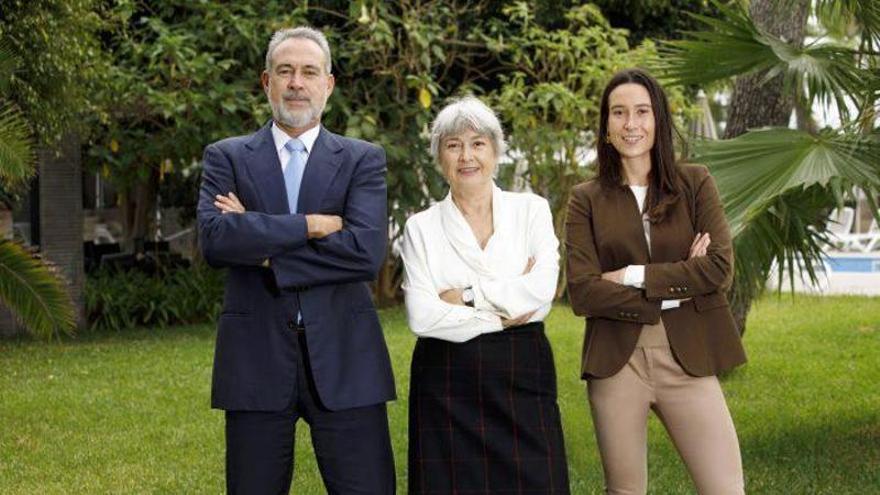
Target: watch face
[467, 295]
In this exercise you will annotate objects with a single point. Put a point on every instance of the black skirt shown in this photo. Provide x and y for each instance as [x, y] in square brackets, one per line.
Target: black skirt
[483, 416]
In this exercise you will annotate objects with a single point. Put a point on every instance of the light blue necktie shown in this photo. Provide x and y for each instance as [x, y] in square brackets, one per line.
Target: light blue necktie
[293, 172]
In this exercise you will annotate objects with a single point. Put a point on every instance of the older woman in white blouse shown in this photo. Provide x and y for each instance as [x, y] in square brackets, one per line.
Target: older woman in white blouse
[481, 268]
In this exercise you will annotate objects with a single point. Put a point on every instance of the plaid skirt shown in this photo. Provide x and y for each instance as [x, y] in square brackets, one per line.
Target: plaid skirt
[483, 417]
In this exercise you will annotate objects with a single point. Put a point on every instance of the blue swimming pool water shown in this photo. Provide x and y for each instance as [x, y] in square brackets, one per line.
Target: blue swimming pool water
[860, 264]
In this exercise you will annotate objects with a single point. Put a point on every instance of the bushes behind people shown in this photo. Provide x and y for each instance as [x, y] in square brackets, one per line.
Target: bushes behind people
[120, 300]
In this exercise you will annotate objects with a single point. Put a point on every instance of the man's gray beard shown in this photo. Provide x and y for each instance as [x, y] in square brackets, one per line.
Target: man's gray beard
[295, 120]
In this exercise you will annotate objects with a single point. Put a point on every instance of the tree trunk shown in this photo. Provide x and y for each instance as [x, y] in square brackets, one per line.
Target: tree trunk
[138, 210]
[756, 103]
[61, 214]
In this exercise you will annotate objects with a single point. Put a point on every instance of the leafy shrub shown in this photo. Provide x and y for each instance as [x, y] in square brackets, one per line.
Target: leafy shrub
[118, 300]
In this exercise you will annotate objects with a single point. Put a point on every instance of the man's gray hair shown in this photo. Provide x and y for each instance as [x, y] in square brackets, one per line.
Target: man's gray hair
[468, 113]
[303, 32]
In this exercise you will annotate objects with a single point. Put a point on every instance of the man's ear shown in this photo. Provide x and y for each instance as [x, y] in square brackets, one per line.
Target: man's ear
[264, 79]
[331, 83]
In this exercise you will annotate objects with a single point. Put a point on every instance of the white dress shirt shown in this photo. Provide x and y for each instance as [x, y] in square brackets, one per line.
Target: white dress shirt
[634, 275]
[440, 252]
[281, 138]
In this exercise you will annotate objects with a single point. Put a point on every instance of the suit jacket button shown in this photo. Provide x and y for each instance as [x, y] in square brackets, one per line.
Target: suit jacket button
[291, 325]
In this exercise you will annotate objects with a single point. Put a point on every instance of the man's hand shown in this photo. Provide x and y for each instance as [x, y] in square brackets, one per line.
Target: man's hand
[616, 276]
[519, 320]
[321, 226]
[228, 204]
[699, 245]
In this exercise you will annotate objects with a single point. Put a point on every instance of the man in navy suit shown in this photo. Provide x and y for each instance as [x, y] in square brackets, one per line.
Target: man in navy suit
[298, 216]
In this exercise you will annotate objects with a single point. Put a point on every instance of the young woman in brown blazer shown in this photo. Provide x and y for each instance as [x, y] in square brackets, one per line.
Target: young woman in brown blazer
[649, 259]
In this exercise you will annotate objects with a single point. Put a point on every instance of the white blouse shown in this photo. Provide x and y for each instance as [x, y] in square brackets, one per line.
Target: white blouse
[440, 252]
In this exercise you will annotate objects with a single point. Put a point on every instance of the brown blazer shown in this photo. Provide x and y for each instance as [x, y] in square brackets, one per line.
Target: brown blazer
[604, 233]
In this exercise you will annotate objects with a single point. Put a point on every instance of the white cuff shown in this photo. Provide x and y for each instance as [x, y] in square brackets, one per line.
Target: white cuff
[670, 304]
[634, 276]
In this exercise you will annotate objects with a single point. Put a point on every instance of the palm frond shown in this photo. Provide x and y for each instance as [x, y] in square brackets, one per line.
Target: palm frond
[759, 166]
[9, 62]
[733, 45]
[789, 231]
[35, 292]
[828, 72]
[865, 13]
[729, 46]
[16, 147]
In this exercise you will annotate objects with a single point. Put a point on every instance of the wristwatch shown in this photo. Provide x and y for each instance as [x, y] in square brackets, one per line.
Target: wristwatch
[467, 296]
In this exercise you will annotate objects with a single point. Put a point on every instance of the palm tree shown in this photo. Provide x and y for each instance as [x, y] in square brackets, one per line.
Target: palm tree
[30, 287]
[779, 184]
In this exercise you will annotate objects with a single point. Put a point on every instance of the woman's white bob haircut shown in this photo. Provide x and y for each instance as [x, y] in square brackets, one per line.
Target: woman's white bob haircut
[463, 114]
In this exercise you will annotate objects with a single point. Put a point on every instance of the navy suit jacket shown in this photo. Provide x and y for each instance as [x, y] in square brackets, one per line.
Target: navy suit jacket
[324, 279]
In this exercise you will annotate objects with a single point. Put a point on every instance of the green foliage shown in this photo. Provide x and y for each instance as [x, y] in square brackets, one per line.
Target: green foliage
[16, 146]
[183, 74]
[16, 154]
[862, 15]
[35, 292]
[776, 203]
[827, 71]
[654, 19]
[781, 160]
[124, 300]
[65, 63]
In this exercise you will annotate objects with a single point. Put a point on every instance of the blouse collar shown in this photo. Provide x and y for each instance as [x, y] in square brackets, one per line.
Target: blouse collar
[462, 238]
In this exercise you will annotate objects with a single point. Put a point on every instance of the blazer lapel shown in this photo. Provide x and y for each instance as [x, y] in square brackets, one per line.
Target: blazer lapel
[322, 166]
[265, 172]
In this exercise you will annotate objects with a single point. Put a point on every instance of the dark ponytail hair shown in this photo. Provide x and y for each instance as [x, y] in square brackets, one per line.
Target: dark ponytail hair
[663, 181]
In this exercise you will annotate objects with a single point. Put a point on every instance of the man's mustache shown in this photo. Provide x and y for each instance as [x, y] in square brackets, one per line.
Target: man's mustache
[293, 95]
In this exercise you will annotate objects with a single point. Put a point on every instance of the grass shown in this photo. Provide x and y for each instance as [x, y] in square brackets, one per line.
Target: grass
[129, 412]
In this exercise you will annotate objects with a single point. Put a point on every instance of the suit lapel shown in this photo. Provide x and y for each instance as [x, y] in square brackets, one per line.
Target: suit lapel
[322, 166]
[265, 172]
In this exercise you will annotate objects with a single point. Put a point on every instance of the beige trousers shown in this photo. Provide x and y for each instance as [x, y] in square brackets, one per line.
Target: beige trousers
[692, 409]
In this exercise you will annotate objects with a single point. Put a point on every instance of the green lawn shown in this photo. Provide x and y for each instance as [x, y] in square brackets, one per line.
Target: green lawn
[129, 413]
